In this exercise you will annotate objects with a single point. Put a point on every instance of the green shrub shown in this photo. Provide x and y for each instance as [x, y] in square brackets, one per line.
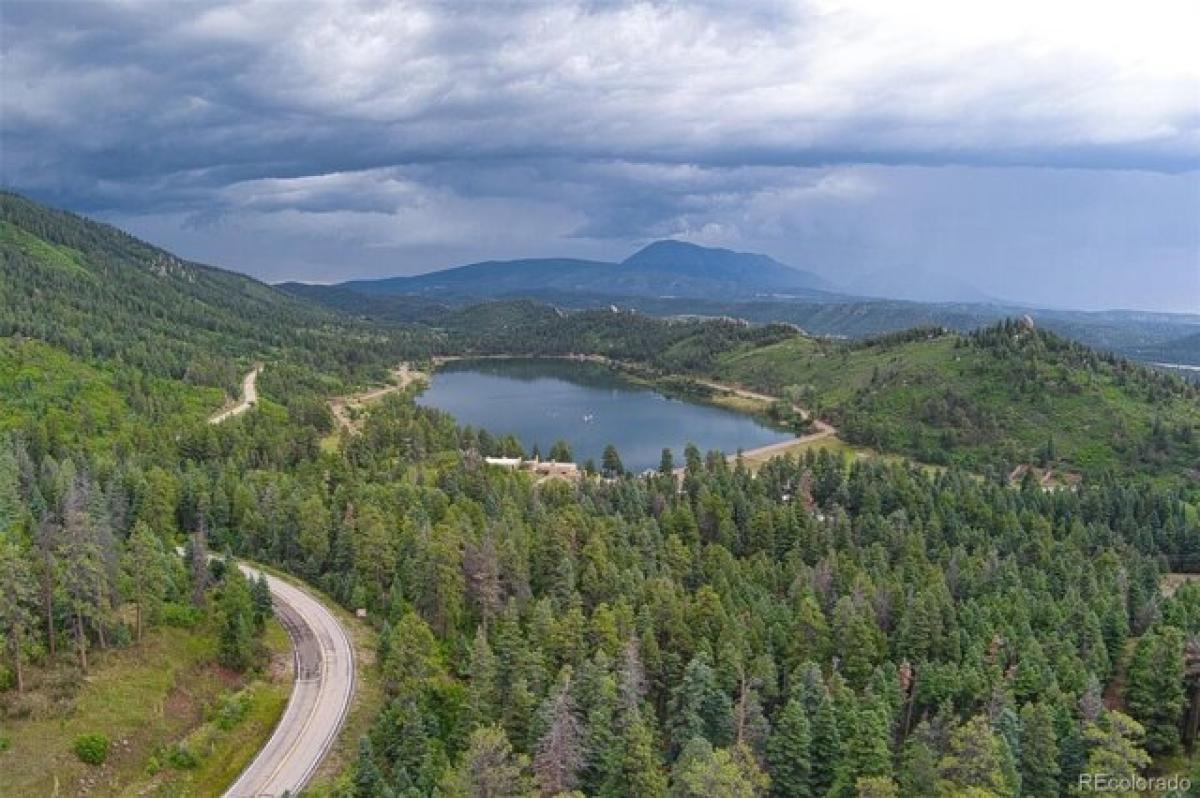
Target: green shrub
[91, 748]
[181, 758]
[181, 616]
[233, 710]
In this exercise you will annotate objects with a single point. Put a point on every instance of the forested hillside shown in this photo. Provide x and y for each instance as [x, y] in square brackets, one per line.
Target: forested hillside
[100, 293]
[994, 398]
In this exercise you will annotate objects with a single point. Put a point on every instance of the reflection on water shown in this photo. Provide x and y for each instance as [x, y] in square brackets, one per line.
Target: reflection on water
[589, 406]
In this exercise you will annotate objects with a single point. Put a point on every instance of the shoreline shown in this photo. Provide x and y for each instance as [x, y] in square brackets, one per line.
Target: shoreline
[822, 430]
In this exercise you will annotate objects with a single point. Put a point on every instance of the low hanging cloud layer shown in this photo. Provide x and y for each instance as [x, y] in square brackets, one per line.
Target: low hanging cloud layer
[1042, 152]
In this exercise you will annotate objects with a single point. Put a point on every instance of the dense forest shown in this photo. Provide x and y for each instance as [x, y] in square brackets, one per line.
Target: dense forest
[816, 629]
[819, 627]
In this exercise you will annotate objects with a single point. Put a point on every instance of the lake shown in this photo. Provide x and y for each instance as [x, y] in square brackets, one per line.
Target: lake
[590, 406]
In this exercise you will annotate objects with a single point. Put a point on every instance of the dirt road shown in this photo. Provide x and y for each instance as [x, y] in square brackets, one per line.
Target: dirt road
[248, 400]
[321, 694]
[402, 376]
[822, 429]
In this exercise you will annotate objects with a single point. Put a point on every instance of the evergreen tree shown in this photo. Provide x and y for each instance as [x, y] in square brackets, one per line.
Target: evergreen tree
[235, 646]
[641, 770]
[789, 753]
[1039, 753]
[610, 463]
[18, 592]
[263, 605]
[482, 695]
[1155, 689]
[83, 570]
[699, 707]
[144, 572]
[368, 780]
[826, 746]
[1115, 746]
[866, 748]
[918, 773]
[560, 755]
[701, 772]
[560, 452]
[490, 768]
[974, 761]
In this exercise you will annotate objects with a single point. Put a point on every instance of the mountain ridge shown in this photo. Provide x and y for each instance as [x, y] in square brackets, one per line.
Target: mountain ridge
[662, 268]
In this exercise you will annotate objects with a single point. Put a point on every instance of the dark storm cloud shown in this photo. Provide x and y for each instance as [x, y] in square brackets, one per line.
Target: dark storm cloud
[325, 141]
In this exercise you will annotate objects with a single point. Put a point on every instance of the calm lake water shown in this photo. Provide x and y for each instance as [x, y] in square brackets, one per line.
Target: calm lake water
[588, 405]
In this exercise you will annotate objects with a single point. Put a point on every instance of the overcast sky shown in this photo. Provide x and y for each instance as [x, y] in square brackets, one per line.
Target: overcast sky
[1046, 151]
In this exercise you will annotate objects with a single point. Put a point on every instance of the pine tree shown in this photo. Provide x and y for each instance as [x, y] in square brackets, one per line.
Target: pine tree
[263, 605]
[699, 707]
[918, 773]
[610, 462]
[702, 772]
[826, 746]
[974, 761]
[199, 562]
[866, 748]
[235, 645]
[482, 690]
[860, 644]
[789, 753]
[1115, 746]
[559, 756]
[1039, 752]
[18, 592]
[1155, 689]
[83, 571]
[641, 769]
[560, 452]
[12, 510]
[368, 780]
[490, 768]
[144, 572]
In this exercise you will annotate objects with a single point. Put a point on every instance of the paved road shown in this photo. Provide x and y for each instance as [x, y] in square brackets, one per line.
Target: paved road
[324, 662]
[248, 400]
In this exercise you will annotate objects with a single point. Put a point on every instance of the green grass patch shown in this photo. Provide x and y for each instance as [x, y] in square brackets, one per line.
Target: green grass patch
[237, 723]
[175, 723]
[135, 697]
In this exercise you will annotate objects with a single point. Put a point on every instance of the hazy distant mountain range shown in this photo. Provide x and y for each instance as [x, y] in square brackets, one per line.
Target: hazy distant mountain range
[662, 269]
[675, 278]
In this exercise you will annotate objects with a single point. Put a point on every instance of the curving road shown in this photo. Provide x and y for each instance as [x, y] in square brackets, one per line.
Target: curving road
[316, 710]
[248, 400]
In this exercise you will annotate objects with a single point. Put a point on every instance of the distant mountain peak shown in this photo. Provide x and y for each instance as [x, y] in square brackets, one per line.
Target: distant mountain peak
[669, 249]
[685, 259]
